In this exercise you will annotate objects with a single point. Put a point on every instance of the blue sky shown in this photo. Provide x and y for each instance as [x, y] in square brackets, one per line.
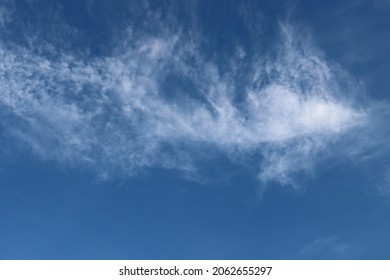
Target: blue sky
[194, 129]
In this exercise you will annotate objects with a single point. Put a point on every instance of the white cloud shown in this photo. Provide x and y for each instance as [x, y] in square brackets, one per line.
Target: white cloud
[121, 112]
[383, 185]
[331, 245]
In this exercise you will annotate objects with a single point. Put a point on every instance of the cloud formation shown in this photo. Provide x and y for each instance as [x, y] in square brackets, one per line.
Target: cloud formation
[158, 101]
[328, 245]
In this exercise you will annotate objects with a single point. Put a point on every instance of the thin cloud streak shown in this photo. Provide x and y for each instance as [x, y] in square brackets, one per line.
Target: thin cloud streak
[330, 245]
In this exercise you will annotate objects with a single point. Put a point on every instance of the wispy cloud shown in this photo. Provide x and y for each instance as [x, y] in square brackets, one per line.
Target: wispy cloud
[384, 184]
[157, 101]
[326, 245]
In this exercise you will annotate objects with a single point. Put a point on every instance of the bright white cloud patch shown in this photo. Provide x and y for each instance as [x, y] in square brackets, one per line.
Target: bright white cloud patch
[158, 102]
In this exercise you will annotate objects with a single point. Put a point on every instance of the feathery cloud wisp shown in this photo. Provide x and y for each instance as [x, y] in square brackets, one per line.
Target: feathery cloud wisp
[157, 101]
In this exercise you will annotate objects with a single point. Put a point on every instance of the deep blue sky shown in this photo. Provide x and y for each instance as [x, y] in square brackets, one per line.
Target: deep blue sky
[194, 129]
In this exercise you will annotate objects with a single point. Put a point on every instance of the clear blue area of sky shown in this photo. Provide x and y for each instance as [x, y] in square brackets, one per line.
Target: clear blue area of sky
[54, 209]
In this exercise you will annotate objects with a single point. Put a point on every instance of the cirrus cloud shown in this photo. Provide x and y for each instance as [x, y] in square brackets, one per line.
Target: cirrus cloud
[156, 101]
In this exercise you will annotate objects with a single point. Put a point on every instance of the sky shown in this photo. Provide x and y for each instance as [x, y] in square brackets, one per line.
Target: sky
[194, 129]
